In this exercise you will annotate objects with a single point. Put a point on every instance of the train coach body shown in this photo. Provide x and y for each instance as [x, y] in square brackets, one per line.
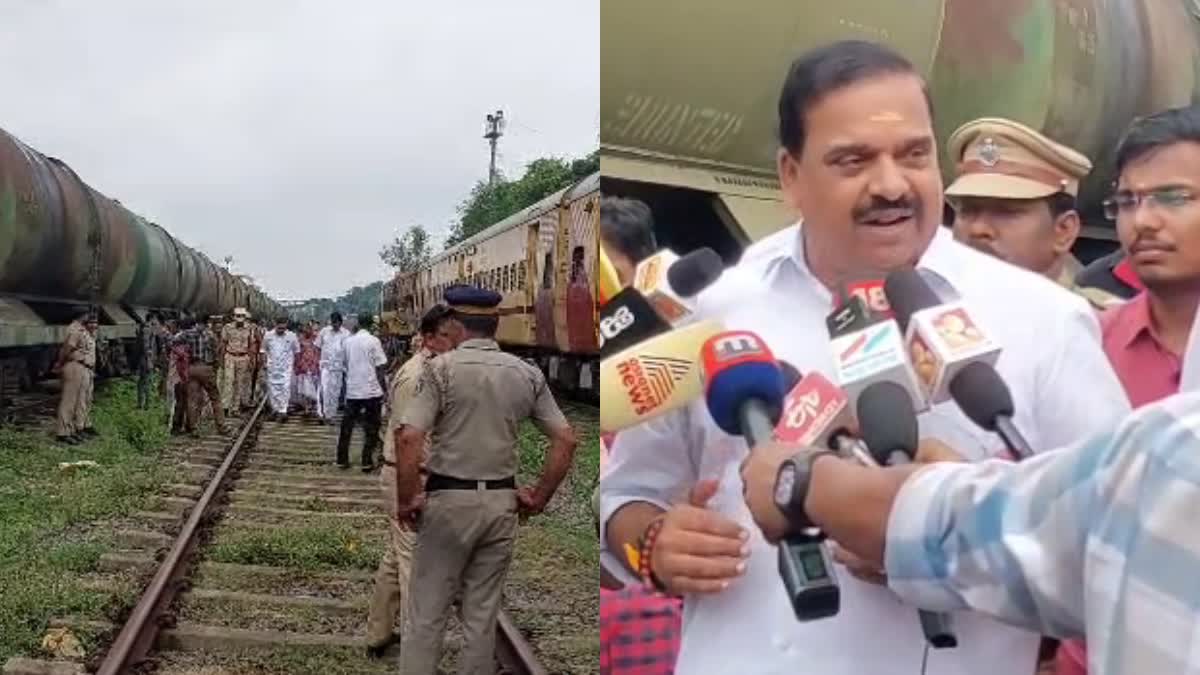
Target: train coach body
[65, 245]
[541, 260]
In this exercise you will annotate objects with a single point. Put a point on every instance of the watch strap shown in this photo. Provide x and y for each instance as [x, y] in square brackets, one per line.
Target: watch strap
[802, 463]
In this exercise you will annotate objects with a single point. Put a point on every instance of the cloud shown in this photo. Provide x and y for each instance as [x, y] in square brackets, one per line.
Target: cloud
[297, 137]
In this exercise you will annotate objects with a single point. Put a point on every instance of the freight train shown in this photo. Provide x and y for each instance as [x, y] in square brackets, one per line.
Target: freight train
[688, 116]
[65, 247]
[542, 261]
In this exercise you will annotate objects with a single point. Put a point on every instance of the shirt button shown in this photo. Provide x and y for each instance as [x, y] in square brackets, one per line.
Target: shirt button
[781, 643]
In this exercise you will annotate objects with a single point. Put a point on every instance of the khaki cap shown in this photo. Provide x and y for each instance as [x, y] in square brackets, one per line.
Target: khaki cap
[1008, 160]
[241, 311]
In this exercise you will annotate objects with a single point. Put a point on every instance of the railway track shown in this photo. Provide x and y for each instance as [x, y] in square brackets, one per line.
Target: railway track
[269, 571]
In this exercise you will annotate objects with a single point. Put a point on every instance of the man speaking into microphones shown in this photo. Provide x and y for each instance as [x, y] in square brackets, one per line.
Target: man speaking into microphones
[858, 156]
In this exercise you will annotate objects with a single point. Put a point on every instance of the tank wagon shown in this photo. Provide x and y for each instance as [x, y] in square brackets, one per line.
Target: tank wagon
[688, 116]
[64, 246]
[542, 260]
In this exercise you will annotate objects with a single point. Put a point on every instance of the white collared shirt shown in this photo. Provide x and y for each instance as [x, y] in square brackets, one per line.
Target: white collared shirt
[332, 345]
[1062, 385]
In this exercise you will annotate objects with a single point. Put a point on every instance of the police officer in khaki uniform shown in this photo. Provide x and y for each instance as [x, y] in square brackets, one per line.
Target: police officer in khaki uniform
[391, 581]
[77, 363]
[471, 400]
[237, 344]
[1014, 198]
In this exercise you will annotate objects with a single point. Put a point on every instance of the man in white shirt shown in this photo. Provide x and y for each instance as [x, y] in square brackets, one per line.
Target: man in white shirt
[366, 374]
[859, 159]
[331, 341]
[280, 347]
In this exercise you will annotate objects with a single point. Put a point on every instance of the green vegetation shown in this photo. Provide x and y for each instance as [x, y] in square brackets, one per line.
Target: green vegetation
[306, 547]
[292, 660]
[51, 519]
[552, 585]
[353, 302]
[489, 204]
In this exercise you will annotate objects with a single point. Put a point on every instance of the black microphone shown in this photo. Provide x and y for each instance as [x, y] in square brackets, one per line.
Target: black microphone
[695, 272]
[627, 319]
[985, 398]
[888, 426]
[970, 378]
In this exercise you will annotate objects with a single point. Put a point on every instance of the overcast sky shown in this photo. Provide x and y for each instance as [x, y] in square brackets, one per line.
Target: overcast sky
[297, 137]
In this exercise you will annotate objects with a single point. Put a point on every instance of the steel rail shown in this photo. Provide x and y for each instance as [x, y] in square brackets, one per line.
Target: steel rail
[137, 636]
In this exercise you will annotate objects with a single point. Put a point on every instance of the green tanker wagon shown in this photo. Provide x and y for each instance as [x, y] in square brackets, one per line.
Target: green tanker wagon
[65, 246]
[689, 88]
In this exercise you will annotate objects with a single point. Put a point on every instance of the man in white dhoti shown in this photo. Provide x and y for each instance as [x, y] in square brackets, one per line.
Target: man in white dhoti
[331, 342]
[280, 348]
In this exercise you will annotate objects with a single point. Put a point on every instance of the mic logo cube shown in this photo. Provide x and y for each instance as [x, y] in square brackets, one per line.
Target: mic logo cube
[943, 339]
[649, 275]
[611, 327]
[667, 307]
[738, 345]
[874, 354]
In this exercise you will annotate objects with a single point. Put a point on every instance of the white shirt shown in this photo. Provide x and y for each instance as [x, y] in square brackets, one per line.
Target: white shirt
[281, 351]
[363, 354]
[332, 345]
[1062, 385]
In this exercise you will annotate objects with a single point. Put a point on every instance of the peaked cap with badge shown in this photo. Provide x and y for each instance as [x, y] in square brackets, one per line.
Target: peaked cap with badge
[465, 299]
[1000, 158]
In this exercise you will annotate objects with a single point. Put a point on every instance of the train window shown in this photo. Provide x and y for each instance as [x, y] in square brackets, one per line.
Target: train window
[546, 274]
[507, 278]
[577, 270]
[521, 276]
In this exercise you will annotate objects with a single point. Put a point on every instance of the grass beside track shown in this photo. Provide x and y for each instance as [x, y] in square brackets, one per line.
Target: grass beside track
[48, 516]
[552, 589]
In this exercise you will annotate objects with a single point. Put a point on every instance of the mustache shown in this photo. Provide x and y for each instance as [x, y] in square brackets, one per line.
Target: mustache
[878, 205]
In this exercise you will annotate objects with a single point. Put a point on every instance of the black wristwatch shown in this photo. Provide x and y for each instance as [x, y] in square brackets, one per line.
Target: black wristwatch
[791, 486]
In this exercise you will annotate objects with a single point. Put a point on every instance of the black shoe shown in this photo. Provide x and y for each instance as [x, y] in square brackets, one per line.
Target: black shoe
[90, 431]
[66, 440]
[341, 466]
[378, 651]
[368, 468]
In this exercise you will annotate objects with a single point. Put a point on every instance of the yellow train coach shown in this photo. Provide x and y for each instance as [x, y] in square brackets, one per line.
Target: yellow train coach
[542, 260]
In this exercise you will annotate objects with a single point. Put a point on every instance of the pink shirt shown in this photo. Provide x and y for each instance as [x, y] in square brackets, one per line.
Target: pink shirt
[1149, 372]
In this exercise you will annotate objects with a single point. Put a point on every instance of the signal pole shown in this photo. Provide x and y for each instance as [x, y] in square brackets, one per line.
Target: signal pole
[495, 129]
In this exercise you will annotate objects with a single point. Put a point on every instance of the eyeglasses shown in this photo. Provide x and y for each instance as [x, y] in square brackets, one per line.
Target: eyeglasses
[1126, 202]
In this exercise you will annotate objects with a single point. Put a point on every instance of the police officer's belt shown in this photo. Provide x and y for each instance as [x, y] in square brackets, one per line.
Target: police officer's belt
[439, 482]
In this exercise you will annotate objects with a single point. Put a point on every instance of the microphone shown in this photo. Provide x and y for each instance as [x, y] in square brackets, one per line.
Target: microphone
[744, 391]
[626, 320]
[653, 377]
[889, 428]
[669, 282]
[609, 282]
[868, 347]
[817, 413]
[985, 398]
[942, 338]
[969, 375]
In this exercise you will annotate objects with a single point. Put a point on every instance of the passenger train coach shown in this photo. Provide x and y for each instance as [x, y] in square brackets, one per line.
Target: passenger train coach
[542, 260]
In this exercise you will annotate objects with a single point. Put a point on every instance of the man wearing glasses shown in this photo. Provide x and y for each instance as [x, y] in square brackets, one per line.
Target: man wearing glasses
[1158, 222]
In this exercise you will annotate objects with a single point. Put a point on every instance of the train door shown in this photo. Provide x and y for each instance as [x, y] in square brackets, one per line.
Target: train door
[541, 282]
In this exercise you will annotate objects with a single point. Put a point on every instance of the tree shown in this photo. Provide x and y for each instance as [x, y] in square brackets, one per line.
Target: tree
[408, 251]
[489, 204]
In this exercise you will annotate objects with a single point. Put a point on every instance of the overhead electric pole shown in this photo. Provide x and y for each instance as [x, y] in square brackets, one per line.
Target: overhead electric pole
[495, 129]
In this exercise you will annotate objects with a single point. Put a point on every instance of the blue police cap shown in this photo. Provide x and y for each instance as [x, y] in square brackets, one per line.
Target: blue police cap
[472, 300]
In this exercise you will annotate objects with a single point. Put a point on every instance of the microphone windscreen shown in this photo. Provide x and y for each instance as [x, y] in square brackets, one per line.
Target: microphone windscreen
[737, 367]
[791, 375]
[694, 272]
[886, 420]
[908, 294]
[982, 394]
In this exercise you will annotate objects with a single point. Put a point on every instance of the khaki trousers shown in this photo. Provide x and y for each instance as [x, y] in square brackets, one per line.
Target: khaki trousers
[235, 382]
[465, 539]
[203, 380]
[391, 586]
[75, 405]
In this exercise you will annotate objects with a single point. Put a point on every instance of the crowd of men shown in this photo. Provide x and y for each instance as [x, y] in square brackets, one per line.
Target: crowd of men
[1081, 347]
